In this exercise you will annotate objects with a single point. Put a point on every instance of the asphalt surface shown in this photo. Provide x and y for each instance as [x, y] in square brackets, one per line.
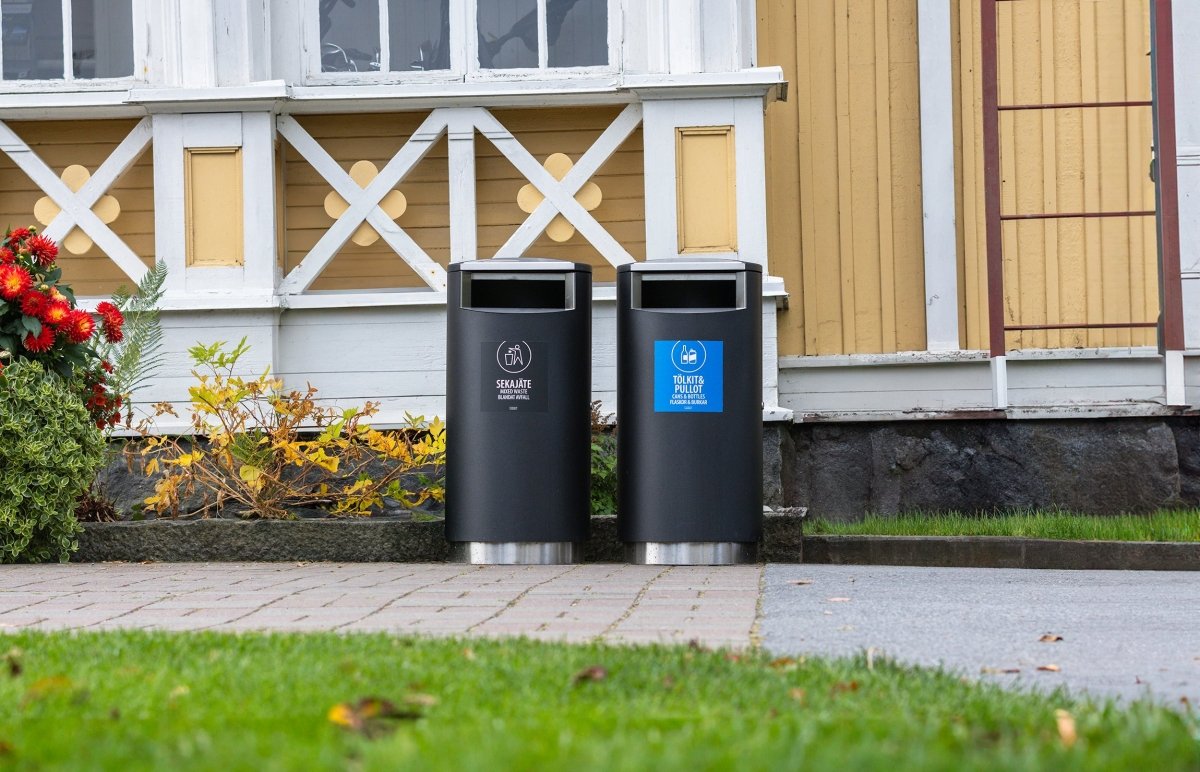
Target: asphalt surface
[1123, 633]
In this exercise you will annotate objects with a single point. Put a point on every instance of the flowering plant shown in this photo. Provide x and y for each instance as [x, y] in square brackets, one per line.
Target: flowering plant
[39, 321]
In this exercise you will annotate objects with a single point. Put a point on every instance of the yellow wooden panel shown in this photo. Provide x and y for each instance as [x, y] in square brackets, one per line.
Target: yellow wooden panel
[213, 212]
[87, 143]
[427, 220]
[706, 189]
[843, 184]
[1060, 271]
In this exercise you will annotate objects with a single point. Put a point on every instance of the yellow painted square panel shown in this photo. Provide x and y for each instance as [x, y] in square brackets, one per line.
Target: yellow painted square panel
[706, 189]
[213, 203]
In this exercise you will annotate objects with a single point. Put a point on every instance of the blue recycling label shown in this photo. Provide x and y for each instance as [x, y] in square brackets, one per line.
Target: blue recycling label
[689, 376]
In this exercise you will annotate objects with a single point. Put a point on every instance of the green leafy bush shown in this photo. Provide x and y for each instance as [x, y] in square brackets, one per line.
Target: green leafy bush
[604, 461]
[50, 450]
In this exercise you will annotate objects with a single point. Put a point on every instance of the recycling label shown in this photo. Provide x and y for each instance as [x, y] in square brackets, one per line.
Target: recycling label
[689, 376]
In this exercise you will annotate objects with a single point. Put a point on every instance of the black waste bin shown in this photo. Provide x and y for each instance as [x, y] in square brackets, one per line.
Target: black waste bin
[518, 385]
[689, 406]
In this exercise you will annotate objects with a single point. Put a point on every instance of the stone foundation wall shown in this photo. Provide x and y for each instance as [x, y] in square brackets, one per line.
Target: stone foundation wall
[1096, 466]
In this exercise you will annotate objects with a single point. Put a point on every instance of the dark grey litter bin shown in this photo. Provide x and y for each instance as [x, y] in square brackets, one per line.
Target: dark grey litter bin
[518, 386]
[689, 406]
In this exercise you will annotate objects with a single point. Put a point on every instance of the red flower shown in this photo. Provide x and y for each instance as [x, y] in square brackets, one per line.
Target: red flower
[43, 250]
[79, 326]
[40, 342]
[113, 321]
[7, 256]
[33, 303]
[106, 366]
[14, 281]
[56, 312]
[18, 234]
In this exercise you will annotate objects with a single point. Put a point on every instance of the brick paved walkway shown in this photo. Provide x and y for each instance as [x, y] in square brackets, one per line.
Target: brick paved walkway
[617, 603]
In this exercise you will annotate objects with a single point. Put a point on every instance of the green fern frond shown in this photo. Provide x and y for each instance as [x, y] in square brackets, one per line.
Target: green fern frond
[140, 353]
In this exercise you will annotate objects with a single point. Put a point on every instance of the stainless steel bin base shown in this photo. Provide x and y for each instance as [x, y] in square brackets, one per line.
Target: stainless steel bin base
[516, 553]
[691, 553]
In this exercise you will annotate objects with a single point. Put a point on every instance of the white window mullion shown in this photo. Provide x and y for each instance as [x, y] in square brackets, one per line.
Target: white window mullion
[464, 48]
[385, 48]
[68, 42]
[543, 36]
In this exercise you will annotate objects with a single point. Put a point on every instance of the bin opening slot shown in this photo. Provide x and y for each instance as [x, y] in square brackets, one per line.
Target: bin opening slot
[684, 291]
[532, 291]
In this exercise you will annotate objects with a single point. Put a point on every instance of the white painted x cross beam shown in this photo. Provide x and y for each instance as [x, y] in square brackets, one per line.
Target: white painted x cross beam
[76, 207]
[364, 204]
[560, 196]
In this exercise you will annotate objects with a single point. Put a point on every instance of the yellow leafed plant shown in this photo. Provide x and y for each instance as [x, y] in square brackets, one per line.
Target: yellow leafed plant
[265, 450]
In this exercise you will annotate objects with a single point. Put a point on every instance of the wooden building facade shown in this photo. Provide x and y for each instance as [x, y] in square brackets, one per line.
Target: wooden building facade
[307, 169]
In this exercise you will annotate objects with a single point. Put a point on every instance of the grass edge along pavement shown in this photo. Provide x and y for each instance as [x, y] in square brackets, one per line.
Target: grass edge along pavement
[130, 699]
[1164, 526]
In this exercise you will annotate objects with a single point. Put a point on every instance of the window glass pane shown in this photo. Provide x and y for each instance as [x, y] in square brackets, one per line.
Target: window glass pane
[419, 34]
[349, 35]
[102, 32]
[33, 32]
[508, 34]
[578, 32]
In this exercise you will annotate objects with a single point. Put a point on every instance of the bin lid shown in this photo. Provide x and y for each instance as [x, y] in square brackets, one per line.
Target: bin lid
[514, 264]
[690, 265]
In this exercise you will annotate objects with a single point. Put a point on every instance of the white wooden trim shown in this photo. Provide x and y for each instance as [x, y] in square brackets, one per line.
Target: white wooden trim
[364, 203]
[260, 268]
[999, 373]
[587, 166]
[543, 36]
[937, 176]
[751, 181]
[1173, 378]
[552, 189]
[74, 209]
[68, 42]
[460, 137]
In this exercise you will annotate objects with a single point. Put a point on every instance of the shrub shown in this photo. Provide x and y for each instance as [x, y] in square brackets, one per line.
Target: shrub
[604, 462]
[39, 322]
[50, 450]
[268, 450]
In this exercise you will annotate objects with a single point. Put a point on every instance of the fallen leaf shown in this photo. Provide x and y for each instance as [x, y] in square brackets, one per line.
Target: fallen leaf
[593, 673]
[370, 716]
[786, 664]
[12, 660]
[999, 670]
[115, 714]
[1049, 668]
[844, 686]
[797, 694]
[469, 654]
[1050, 638]
[731, 657]
[423, 700]
[800, 581]
[6, 748]
[839, 600]
[45, 687]
[301, 563]
[1066, 727]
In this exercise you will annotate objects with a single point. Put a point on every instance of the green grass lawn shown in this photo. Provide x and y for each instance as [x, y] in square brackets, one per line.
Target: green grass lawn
[126, 700]
[1162, 526]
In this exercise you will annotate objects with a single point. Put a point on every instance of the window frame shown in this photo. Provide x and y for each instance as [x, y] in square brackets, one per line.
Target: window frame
[464, 52]
[68, 82]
